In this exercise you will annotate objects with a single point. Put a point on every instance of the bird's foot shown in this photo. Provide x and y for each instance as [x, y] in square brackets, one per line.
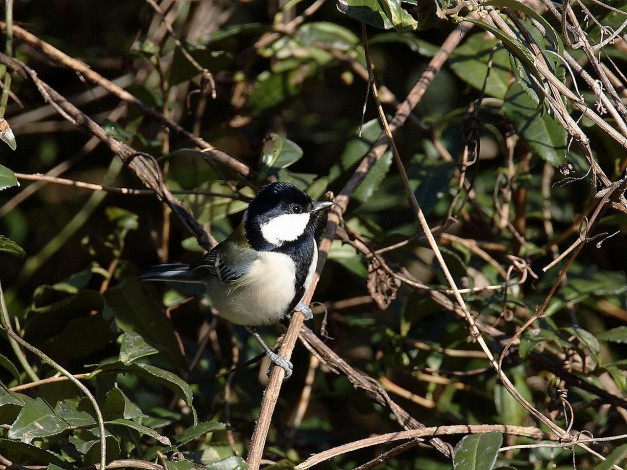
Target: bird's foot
[280, 361]
[305, 309]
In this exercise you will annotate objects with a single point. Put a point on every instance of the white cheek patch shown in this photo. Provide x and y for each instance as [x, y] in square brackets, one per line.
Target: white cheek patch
[285, 228]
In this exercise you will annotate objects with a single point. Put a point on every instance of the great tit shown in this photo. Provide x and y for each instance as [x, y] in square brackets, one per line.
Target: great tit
[259, 274]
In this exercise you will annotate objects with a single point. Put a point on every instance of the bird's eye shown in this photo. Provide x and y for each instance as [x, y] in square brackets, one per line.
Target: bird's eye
[296, 209]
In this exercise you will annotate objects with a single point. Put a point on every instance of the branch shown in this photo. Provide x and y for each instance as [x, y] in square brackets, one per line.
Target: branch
[530, 432]
[144, 165]
[67, 61]
[341, 203]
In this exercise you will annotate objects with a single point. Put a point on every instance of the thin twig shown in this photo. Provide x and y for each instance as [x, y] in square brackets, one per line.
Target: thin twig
[530, 432]
[6, 326]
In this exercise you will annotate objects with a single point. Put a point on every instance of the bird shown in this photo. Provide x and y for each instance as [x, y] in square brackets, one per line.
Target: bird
[259, 274]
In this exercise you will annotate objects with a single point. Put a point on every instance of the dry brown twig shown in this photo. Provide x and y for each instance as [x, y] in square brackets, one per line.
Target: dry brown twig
[67, 61]
[565, 435]
[334, 219]
[531, 432]
[144, 165]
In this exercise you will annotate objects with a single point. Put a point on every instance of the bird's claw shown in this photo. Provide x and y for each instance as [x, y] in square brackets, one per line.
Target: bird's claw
[305, 310]
[282, 362]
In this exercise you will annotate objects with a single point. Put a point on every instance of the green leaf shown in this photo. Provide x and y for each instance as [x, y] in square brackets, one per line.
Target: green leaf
[183, 465]
[355, 150]
[274, 89]
[346, 256]
[182, 69]
[137, 312]
[530, 12]
[72, 416]
[617, 457]
[209, 209]
[134, 347]
[8, 365]
[124, 219]
[140, 429]
[11, 404]
[117, 405]
[384, 14]
[168, 379]
[17, 451]
[35, 420]
[508, 409]
[515, 46]
[585, 281]
[470, 63]
[283, 153]
[234, 462]
[429, 179]
[615, 335]
[374, 177]
[532, 338]
[586, 339]
[331, 35]
[49, 300]
[541, 131]
[201, 428]
[477, 451]
[7, 178]
[80, 337]
[10, 247]
[7, 397]
[420, 46]
[87, 443]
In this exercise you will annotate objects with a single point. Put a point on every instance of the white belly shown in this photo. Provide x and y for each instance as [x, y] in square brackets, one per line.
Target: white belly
[262, 296]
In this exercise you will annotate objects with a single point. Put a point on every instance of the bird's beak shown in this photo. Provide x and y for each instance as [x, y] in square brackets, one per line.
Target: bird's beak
[321, 205]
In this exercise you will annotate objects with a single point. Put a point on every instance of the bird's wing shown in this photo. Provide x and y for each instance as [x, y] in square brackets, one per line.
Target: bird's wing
[239, 258]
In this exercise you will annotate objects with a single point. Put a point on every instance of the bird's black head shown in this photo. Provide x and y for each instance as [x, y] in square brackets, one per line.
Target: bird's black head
[281, 213]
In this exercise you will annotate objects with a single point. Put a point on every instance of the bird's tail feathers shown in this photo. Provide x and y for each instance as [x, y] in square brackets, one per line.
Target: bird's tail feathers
[169, 272]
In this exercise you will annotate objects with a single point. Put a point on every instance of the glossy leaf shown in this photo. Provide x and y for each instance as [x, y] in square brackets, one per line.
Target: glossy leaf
[134, 346]
[87, 443]
[470, 63]
[384, 14]
[117, 405]
[540, 130]
[210, 209]
[415, 44]
[584, 338]
[168, 379]
[11, 248]
[508, 409]
[282, 153]
[137, 312]
[329, 34]
[182, 69]
[72, 416]
[8, 365]
[429, 180]
[477, 451]
[199, 429]
[7, 178]
[183, 465]
[234, 462]
[140, 429]
[615, 335]
[356, 149]
[18, 451]
[36, 420]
